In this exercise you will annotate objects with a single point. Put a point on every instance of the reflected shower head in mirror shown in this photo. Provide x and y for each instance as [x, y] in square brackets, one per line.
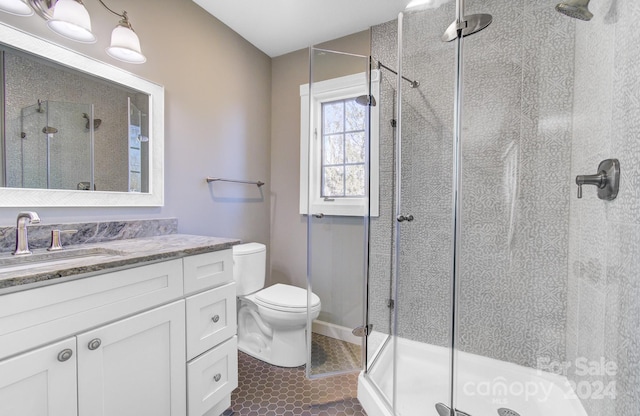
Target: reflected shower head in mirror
[96, 122]
[578, 9]
[366, 100]
[473, 24]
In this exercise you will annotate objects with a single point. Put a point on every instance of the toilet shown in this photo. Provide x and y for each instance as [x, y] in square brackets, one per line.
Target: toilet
[272, 321]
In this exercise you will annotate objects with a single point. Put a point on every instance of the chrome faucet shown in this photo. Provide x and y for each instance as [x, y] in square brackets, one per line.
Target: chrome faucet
[22, 243]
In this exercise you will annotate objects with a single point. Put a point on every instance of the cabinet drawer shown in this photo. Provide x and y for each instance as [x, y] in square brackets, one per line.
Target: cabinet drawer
[211, 318]
[35, 317]
[211, 377]
[207, 270]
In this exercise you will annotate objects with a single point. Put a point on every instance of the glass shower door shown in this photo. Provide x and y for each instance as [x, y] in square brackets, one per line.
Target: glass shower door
[547, 294]
[414, 249]
[336, 128]
[43, 141]
[424, 213]
[69, 132]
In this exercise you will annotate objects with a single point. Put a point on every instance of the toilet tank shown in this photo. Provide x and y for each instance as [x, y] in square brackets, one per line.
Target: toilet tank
[249, 264]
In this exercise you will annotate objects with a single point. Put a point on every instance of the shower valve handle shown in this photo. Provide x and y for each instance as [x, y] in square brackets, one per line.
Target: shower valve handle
[607, 180]
[599, 180]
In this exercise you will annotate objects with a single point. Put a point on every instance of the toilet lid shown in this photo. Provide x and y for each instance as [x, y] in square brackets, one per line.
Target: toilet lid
[286, 296]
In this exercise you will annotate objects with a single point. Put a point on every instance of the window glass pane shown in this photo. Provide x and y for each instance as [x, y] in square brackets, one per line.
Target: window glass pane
[355, 180]
[333, 150]
[354, 115]
[333, 117]
[333, 181]
[354, 143]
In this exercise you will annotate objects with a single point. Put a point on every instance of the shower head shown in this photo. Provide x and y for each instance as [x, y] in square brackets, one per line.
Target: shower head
[49, 130]
[578, 9]
[96, 122]
[366, 100]
[473, 24]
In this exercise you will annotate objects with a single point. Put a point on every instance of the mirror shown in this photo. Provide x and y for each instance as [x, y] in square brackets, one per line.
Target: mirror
[76, 131]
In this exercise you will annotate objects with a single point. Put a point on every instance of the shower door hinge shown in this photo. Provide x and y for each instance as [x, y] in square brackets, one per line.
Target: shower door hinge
[362, 331]
[390, 303]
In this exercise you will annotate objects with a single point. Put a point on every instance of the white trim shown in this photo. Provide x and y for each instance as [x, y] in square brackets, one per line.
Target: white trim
[15, 197]
[335, 331]
[369, 397]
[331, 90]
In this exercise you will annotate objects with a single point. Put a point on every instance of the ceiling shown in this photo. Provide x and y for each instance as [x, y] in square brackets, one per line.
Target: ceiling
[277, 27]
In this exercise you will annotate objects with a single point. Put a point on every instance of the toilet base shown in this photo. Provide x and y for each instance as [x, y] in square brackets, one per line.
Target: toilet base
[284, 349]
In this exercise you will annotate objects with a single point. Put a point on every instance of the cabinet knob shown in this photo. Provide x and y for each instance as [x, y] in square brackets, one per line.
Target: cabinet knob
[64, 355]
[217, 377]
[94, 344]
[215, 319]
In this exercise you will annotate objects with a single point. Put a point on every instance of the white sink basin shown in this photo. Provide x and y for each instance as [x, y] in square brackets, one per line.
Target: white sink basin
[47, 259]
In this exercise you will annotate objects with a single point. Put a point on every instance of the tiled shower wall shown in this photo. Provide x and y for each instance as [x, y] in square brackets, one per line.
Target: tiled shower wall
[604, 258]
[515, 212]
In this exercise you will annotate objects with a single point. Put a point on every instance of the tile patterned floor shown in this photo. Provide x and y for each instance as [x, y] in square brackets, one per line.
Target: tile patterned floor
[329, 355]
[266, 390]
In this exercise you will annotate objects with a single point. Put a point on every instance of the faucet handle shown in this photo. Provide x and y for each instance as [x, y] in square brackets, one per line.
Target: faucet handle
[56, 241]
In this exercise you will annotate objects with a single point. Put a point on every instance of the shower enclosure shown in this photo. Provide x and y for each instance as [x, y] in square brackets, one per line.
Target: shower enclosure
[41, 142]
[492, 289]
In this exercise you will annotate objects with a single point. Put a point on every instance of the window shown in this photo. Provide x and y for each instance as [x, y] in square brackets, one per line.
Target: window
[343, 149]
[334, 138]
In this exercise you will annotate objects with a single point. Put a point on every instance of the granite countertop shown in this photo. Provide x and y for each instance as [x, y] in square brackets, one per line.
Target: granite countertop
[104, 256]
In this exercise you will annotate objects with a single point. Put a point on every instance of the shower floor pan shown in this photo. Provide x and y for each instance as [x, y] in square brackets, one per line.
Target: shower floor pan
[483, 385]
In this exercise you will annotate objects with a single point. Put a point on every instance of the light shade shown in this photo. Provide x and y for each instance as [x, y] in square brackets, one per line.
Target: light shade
[125, 46]
[425, 4]
[17, 7]
[71, 20]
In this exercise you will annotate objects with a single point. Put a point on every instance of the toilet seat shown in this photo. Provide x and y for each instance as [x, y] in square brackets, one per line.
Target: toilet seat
[286, 298]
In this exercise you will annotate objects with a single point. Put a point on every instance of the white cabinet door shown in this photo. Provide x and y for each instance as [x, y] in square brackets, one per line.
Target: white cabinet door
[134, 367]
[41, 382]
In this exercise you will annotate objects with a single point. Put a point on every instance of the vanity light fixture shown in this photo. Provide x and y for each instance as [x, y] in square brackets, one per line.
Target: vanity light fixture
[70, 19]
[17, 7]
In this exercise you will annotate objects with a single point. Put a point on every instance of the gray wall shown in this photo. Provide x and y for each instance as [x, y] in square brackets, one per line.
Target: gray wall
[217, 117]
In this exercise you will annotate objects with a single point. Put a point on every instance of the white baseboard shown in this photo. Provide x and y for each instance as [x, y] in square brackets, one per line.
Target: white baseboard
[335, 331]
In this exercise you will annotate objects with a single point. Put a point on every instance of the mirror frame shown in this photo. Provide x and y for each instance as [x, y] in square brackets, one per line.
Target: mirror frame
[23, 197]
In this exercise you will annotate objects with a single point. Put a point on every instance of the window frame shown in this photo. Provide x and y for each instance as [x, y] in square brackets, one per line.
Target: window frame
[334, 89]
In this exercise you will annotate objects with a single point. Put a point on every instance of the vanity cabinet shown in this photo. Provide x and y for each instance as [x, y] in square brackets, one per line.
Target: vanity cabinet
[122, 343]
